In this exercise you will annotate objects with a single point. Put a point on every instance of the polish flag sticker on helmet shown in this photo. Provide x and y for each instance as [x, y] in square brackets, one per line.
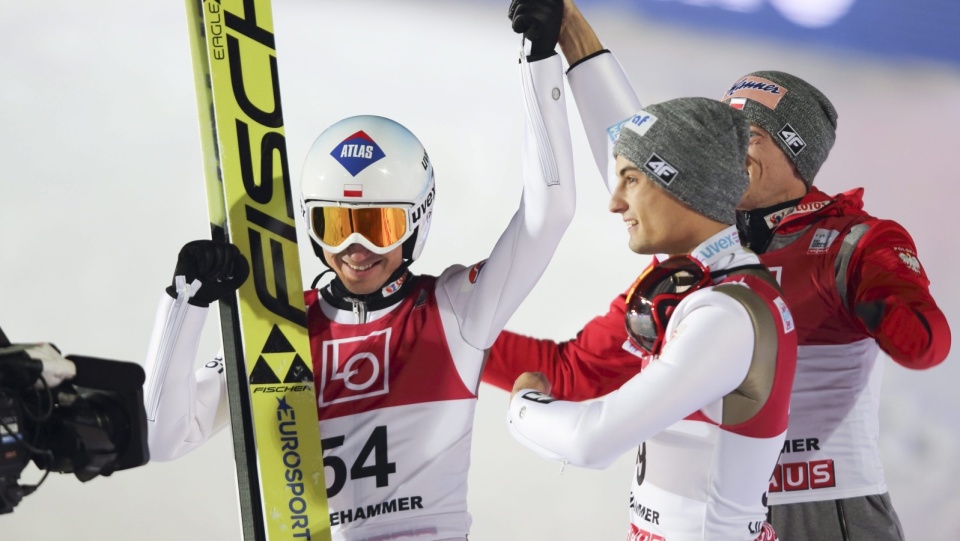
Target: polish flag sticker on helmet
[357, 152]
[353, 190]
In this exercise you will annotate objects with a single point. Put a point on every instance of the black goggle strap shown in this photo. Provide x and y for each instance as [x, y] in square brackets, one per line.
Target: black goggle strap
[649, 306]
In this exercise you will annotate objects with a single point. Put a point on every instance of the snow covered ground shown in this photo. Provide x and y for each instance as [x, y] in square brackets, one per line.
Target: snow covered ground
[101, 185]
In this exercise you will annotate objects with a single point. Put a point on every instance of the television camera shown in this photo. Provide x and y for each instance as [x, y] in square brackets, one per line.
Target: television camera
[69, 414]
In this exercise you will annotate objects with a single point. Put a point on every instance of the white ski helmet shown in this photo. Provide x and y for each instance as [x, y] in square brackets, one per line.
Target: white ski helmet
[367, 180]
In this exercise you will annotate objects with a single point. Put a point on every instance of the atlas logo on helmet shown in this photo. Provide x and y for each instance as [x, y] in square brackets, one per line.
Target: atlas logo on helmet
[357, 152]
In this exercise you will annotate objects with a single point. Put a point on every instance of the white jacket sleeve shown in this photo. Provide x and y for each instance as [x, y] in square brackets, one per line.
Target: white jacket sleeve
[483, 306]
[604, 98]
[707, 358]
[184, 408]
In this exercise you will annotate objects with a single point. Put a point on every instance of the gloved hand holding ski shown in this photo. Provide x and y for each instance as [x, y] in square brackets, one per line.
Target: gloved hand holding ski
[539, 21]
[219, 266]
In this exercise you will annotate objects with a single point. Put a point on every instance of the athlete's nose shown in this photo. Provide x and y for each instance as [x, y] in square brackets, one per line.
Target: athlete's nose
[357, 250]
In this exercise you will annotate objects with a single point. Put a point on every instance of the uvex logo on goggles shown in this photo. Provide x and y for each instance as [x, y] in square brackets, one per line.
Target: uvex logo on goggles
[655, 294]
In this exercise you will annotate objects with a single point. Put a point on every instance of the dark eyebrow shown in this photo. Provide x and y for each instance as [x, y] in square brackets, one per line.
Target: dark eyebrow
[628, 168]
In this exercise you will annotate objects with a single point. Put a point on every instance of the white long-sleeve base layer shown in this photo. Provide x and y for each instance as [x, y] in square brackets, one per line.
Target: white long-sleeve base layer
[696, 479]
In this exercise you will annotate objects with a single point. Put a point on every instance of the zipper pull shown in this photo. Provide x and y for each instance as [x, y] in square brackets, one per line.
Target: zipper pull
[359, 310]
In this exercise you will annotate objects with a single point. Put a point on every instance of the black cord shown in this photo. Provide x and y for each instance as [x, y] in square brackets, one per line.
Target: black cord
[19, 438]
[34, 451]
[313, 285]
[48, 394]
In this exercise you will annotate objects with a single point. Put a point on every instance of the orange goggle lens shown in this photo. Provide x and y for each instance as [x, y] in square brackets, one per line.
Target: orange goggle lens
[382, 226]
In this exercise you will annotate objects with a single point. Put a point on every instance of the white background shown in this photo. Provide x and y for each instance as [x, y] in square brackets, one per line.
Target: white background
[101, 183]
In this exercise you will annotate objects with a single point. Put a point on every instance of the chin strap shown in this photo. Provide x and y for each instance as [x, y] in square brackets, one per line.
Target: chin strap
[394, 290]
[313, 284]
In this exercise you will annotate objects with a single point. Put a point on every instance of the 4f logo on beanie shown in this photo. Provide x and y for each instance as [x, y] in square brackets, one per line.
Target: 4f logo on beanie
[661, 168]
[794, 142]
[357, 152]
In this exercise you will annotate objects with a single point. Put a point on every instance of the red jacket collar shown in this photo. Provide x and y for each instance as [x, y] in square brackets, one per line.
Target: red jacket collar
[818, 203]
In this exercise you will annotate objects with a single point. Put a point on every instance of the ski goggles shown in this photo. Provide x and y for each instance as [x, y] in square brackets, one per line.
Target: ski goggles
[656, 293]
[378, 228]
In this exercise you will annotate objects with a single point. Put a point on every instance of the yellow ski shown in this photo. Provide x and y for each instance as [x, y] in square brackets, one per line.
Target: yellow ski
[267, 352]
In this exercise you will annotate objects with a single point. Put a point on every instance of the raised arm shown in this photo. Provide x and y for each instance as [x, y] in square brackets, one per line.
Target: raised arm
[603, 94]
[577, 39]
[484, 298]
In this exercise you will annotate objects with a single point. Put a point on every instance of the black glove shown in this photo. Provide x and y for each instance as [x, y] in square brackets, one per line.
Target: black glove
[539, 22]
[219, 266]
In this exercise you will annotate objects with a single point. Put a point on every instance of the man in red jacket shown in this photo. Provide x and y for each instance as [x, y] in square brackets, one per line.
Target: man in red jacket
[853, 282]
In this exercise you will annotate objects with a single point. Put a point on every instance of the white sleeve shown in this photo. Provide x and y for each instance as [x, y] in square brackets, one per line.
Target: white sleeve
[707, 358]
[547, 205]
[184, 408]
[604, 98]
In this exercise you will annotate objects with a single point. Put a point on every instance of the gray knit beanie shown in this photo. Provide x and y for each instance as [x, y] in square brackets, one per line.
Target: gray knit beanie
[798, 116]
[695, 149]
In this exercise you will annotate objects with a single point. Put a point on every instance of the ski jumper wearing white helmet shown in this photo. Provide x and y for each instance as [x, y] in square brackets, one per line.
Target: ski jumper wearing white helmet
[368, 180]
[396, 372]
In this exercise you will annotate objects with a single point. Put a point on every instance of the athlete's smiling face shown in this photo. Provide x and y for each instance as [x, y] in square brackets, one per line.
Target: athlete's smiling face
[649, 213]
[657, 222]
[362, 271]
